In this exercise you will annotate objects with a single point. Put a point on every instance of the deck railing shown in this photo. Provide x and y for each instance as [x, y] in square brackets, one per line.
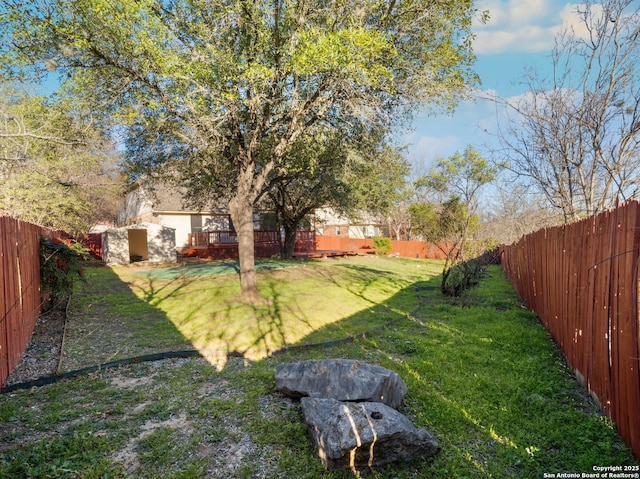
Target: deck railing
[222, 238]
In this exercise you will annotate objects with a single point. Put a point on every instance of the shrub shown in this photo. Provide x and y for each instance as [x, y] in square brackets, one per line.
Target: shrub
[467, 274]
[382, 245]
[61, 265]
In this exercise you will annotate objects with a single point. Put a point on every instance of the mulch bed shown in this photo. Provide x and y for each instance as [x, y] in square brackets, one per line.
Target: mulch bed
[42, 356]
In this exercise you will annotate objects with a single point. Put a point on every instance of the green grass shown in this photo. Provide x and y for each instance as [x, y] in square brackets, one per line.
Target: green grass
[483, 376]
[148, 314]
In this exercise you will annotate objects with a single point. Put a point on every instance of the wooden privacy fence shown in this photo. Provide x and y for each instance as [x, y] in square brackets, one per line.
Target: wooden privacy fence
[582, 281]
[223, 245]
[409, 249]
[20, 301]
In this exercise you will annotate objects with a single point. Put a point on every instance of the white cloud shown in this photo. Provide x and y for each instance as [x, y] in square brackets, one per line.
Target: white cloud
[572, 19]
[528, 39]
[523, 12]
[520, 25]
[429, 148]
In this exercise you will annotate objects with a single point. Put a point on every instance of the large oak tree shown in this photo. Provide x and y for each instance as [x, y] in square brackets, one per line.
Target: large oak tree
[225, 87]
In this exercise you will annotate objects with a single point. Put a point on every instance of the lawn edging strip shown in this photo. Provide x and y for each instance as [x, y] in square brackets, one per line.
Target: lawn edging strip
[186, 353]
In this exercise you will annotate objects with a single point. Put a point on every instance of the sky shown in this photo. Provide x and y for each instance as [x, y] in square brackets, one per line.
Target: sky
[519, 35]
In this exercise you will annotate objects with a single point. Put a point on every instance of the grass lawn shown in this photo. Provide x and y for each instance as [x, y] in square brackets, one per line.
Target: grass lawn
[483, 376]
[166, 309]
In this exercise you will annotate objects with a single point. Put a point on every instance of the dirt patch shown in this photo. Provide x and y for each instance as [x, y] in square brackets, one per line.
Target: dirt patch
[121, 382]
[228, 456]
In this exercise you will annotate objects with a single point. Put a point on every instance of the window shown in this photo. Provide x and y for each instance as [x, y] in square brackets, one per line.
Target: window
[196, 223]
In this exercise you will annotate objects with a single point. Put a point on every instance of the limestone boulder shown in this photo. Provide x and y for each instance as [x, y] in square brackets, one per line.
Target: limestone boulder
[363, 435]
[341, 379]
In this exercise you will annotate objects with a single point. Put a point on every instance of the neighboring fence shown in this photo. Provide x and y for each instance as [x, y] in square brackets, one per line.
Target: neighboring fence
[224, 245]
[409, 249]
[93, 242]
[582, 281]
[20, 301]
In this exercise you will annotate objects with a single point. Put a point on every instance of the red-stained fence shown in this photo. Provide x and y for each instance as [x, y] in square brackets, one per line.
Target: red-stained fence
[20, 301]
[409, 249]
[582, 281]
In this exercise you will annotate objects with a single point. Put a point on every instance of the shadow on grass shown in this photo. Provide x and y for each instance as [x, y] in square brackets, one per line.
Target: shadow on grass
[486, 379]
[107, 321]
[210, 268]
[209, 313]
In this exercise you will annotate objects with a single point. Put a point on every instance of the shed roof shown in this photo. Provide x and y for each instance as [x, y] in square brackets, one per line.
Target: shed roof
[142, 226]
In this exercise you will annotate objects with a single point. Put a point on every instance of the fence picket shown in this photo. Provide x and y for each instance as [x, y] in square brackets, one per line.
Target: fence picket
[582, 281]
[20, 302]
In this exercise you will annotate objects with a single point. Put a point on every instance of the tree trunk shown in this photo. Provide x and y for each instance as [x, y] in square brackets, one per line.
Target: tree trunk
[446, 271]
[241, 210]
[289, 241]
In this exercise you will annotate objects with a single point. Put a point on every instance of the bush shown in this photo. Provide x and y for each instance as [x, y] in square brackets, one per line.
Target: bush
[467, 274]
[382, 245]
[61, 265]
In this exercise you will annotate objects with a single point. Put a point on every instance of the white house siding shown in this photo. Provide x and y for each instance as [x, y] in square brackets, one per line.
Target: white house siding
[330, 223]
[134, 205]
[181, 223]
[362, 231]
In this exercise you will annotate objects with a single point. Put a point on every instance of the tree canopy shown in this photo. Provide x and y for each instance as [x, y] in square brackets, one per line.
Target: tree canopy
[54, 164]
[461, 175]
[220, 90]
[312, 176]
[447, 215]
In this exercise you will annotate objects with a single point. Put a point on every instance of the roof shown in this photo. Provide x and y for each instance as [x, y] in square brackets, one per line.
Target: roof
[167, 199]
[142, 226]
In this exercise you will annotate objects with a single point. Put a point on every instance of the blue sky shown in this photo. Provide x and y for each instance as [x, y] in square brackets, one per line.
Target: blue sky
[519, 34]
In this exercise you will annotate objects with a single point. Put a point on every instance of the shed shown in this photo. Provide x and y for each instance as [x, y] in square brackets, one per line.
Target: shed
[140, 242]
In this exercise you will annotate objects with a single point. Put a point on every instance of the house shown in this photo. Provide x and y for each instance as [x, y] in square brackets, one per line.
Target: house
[210, 233]
[165, 206]
[330, 223]
[207, 234]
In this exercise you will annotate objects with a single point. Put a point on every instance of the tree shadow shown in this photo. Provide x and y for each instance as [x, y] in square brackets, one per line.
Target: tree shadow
[107, 321]
[485, 379]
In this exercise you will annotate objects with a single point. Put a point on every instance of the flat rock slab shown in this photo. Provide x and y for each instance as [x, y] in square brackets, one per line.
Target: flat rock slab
[341, 379]
[362, 435]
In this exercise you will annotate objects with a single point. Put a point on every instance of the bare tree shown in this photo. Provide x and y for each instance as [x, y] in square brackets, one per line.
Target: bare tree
[515, 211]
[575, 136]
